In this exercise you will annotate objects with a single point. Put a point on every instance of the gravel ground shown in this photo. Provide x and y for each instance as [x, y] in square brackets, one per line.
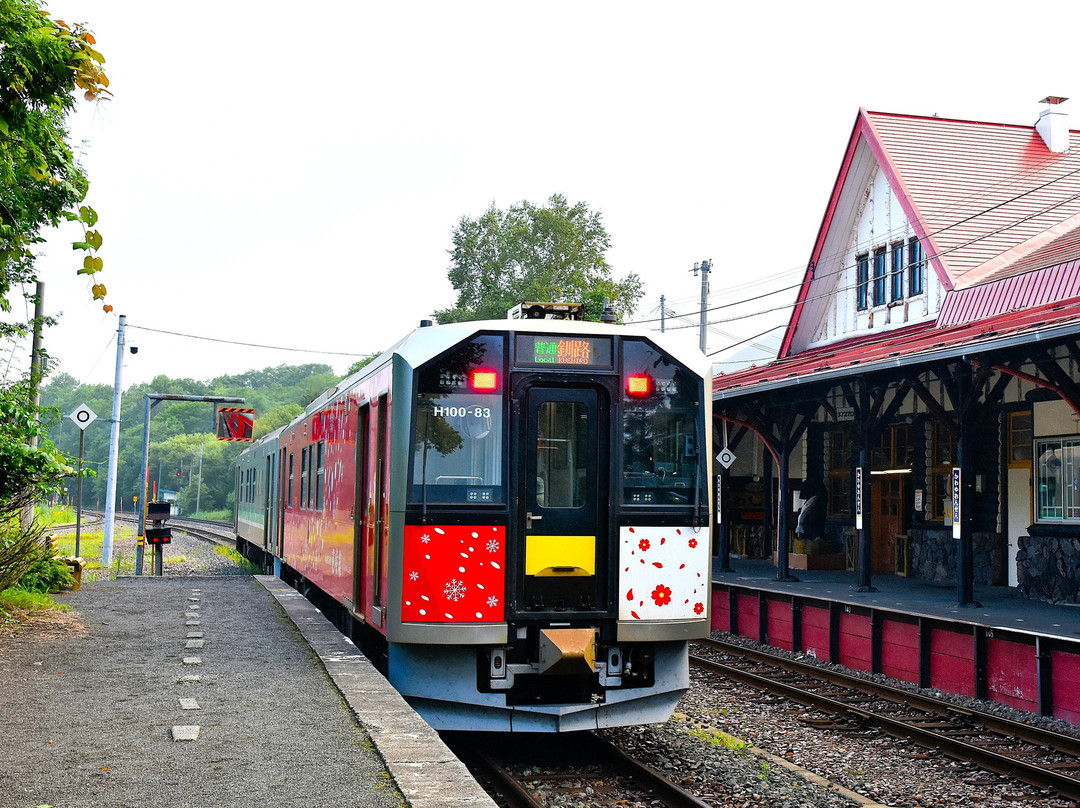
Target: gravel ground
[875, 768]
[88, 701]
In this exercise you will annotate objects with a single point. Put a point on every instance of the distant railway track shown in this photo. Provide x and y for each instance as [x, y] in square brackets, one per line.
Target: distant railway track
[1037, 756]
[216, 532]
[537, 773]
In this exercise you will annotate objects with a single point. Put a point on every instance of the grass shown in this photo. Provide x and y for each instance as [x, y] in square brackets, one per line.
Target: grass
[718, 738]
[90, 546]
[239, 560]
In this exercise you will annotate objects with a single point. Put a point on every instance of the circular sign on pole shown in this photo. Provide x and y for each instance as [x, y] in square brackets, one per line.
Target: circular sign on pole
[83, 416]
[726, 457]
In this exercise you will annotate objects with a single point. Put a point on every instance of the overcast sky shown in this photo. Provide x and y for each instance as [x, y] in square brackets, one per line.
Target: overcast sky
[289, 175]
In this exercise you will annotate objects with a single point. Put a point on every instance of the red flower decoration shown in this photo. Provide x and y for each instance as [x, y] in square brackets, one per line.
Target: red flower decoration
[643, 544]
[699, 608]
[661, 595]
[692, 543]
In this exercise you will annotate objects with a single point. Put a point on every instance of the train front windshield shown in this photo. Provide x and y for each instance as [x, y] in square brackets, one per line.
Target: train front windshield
[458, 452]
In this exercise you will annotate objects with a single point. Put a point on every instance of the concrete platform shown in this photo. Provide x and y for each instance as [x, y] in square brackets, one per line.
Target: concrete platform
[110, 707]
[425, 770]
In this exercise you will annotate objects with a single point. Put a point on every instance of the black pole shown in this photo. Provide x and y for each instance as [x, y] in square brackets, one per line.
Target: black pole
[863, 493]
[723, 524]
[965, 568]
[783, 572]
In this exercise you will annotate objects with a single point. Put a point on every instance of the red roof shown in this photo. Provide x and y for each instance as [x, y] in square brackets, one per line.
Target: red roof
[988, 201]
[917, 343]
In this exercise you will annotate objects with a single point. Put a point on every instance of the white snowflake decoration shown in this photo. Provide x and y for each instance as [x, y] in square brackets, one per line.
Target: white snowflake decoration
[454, 590]
[414, 575]
[425, 538]
[493, 546]
[493, 601]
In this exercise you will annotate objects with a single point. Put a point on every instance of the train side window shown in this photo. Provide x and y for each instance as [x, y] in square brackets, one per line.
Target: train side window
[459, 416]
[660, 458]
[319, 475]
[289, 501]
[303, 477]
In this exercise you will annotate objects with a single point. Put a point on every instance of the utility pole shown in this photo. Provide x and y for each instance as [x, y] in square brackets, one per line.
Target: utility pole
[706, 268]
[37, 372]
[114, 451]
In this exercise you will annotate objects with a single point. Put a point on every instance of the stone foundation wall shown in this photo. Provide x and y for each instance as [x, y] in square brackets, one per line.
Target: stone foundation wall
[1048, 568]
[933, 555]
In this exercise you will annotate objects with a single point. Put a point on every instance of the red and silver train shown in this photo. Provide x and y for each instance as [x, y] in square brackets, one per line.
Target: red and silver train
[511, 517]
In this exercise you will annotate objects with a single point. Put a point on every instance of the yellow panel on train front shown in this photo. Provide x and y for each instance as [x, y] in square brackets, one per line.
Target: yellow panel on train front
[560, 555]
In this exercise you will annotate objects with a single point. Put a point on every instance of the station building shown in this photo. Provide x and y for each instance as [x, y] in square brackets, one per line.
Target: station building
[925, 401]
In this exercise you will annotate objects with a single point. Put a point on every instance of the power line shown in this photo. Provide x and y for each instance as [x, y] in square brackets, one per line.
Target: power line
[247, 344]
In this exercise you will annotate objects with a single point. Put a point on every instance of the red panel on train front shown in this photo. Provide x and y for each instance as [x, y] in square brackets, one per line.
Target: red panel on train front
[1010, 674]
[855, 651]
[748, 618]
[779, 627]
[453, 574]
[900, 650]
[815, 631]
[1066, 673]
[952, 662]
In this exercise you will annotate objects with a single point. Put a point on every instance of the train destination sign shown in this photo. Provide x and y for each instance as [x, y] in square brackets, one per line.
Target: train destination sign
[549, 350]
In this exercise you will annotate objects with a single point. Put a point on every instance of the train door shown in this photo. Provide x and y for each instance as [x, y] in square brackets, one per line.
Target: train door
[284, 485]
[565, 477]
[378, 513]
[268, 502]
[360, 511]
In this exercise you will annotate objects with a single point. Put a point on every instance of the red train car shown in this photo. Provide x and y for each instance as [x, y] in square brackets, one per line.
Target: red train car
[510, 516]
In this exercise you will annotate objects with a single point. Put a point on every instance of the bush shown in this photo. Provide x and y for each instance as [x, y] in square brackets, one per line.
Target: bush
[46, 573]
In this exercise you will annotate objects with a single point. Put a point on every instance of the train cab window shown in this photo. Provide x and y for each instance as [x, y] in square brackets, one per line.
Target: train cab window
[661, 462]
[458, 438]
[562, 456]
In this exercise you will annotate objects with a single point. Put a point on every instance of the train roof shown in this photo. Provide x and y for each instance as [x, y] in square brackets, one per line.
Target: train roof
[427, 342]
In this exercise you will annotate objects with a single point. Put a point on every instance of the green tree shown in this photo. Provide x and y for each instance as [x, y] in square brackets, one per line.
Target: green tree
[553, 252]
[43, 64]
[28, 472]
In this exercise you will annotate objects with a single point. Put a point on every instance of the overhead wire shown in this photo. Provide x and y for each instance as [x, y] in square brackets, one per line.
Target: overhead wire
[248, 344]
[928, 256]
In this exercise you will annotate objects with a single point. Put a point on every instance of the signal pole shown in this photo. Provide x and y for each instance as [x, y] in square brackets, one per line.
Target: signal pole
[706, 268]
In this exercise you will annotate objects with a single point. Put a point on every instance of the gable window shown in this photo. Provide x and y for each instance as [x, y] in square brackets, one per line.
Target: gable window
[879, 276]
[897, 272]
[916, 262]
[862, 282]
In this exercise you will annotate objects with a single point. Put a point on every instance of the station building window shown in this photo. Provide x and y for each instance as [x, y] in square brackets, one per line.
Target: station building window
[891, 278]
[1057, 468]
[839, 482]
[1020, 439]
[942, 460]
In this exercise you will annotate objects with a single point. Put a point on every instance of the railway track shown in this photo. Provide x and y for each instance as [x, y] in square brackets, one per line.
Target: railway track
[531, 773]
[1027, 753]
[212, 531]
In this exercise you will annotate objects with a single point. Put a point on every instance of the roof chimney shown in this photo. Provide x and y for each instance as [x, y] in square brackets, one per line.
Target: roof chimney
[1053, 125]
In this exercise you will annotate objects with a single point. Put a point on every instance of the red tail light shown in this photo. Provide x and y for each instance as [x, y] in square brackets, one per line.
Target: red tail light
[638, 386]
[484, 381]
